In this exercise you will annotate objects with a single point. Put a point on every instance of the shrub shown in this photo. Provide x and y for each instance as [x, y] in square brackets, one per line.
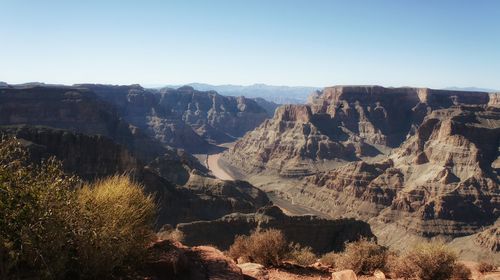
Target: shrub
[485, 267]
[36, 203]
[363, 257]
[50, 231]
[268, 247]
[461, 272]
[329, 259]
[115, 225]
[170, 234]
[302, 255]
[430, 261]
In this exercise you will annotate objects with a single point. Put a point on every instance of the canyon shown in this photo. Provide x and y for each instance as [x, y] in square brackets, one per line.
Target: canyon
[423, 162]
[399, 164]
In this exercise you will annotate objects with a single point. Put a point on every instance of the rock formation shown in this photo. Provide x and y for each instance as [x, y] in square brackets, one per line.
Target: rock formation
[183, 190]
[76, 110]
[184, 117]
[426, 160]
[321, 235]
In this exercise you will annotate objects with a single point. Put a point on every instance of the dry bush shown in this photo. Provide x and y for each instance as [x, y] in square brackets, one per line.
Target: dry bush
[115, 225]
[363, 257]
[485, 267]
[329, 259]
[172, 235]
[461, 272]
[302, 255]
[430, 261]
[268, 247]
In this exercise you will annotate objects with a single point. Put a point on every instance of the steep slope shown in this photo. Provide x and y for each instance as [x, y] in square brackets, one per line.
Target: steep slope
[183, 117]
[141, 108]
[321, 235]
[72, 109]
[213, 116]
[342, 122]
[184, 193]
[424, 160]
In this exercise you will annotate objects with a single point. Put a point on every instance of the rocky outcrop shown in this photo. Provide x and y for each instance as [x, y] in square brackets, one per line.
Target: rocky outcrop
[172, 260]
[343, 123]
[141, 107]
[90, 157]
[489, 239]
[269, 106]
[321, 235]
[184, 117]
[285, 142]
[216, 117]
[73, 109]
[425, 160]
[180, 184]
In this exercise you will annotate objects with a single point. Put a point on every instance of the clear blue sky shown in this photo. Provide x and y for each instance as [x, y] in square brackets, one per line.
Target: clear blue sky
[435, 43]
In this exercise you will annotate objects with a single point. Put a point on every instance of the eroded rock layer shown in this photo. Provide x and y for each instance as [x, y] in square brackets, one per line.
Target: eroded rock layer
[426, 160]
[184, 117]
[321, 235]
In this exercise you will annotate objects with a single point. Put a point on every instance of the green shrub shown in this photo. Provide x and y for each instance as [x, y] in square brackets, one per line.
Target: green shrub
[36, 203]
[268, 247]
[363, 257]
[114, 227]
[50, 231]
[302, 255]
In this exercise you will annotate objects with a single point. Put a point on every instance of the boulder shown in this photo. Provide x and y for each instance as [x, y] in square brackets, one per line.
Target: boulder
[254, 270]
[344, 275]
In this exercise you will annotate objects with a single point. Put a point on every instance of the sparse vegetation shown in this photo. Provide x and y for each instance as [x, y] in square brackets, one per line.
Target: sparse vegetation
[329, 259]
[268, 247]
[461, 272]
[51, 231]
[116, 217]
[363, 257]
[302, 255]
[430, 261]
[485, 267]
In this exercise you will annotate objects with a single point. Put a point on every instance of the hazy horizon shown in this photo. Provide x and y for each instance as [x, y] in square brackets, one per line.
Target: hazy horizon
[434, 44]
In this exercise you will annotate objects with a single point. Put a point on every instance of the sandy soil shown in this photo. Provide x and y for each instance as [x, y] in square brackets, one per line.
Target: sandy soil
[217, 170]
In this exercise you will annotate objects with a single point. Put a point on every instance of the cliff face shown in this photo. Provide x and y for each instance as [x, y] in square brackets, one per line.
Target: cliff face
[320, 234]
[72, 109]
[215, 117]
[183, 118]
[345, 123]
[426, 160]
[183, 190]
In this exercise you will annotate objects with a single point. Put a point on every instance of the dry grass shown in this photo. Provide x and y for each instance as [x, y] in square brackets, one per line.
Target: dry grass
[461, 272]
[329, 259]
[115, 224]
[302, 255]
[485, 267]
[430, 261]
[268, 247]
[363, 257]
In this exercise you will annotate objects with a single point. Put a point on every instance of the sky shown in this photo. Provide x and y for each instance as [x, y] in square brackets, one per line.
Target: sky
[436, 43]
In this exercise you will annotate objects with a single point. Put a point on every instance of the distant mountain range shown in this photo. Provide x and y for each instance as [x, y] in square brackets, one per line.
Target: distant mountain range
[276, 94]
[472, 89]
